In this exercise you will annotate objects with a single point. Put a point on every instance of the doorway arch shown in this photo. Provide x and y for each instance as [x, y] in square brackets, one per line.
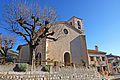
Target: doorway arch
[66, 59]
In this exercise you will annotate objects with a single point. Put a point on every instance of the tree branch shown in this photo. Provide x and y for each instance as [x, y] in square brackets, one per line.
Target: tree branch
[2, 52]
[50, 34]
[52, 38]
[38, 24]
[25, 22]
[11, 46]
[20, 21]
[22, 34]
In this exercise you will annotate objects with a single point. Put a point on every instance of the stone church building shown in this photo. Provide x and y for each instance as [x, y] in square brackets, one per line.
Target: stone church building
[69, 48]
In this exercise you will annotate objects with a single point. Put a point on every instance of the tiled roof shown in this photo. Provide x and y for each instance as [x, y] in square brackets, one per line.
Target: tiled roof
[12, 52]
[73, 27]
[94, 51]
[110, 55]
[74, 17]
[20, 46]
[42, 29]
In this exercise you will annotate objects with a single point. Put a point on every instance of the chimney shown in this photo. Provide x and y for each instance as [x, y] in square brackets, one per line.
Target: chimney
[96, 48]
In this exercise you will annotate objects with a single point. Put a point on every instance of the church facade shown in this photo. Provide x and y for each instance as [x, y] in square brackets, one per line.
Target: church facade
[70, 48]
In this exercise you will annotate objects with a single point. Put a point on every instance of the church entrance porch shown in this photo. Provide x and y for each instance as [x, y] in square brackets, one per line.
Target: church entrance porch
[66, 59]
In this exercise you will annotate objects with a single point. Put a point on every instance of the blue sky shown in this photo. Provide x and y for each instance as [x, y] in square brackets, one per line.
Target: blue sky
[101, 19]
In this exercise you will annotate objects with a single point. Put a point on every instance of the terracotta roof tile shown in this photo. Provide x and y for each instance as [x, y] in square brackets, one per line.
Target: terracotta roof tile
[94, 51]
[70, 26]
[74, 17]
[20, 46]
[42, 29]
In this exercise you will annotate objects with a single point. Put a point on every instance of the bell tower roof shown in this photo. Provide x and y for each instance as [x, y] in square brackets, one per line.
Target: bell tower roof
[74, 17]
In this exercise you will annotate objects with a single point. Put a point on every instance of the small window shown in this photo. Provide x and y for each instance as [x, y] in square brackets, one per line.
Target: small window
[70, 23]
[91, 58]
[79, 26]
[98, 58]
[104, 68]
[103, 58]
[114, 64]
[65, 31]
[98, 69]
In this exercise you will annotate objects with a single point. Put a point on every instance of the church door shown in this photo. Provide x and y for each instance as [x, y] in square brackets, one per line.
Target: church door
[66, 59]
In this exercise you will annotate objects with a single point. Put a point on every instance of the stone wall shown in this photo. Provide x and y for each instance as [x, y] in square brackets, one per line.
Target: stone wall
[10, 67]
[24, 56]
[56, 49]
[7, 67]
[63, 74]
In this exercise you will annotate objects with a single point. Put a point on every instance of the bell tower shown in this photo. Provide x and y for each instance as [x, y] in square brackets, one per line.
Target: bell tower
[77, 23]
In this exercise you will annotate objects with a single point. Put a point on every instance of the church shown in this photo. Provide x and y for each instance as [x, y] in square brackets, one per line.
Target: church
[70, 48]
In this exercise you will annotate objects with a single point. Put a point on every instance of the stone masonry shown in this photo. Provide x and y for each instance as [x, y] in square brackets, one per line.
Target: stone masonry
[63, 74]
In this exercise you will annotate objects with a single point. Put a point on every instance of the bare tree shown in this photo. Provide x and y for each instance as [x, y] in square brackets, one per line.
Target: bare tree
[25, 18]
[6, 43]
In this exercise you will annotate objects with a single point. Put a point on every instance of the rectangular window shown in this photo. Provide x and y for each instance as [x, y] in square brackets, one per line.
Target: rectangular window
[98, 69]
[104, 68]
[98, 58]
[103, 58]
[114, 64]
[91, 58]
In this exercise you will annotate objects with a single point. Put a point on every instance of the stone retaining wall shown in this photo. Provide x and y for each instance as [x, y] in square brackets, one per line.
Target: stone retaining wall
[10, 67]
[63, 74]
[7, 67]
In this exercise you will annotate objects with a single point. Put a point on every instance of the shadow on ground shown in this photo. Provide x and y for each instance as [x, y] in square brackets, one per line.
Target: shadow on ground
[117, 79]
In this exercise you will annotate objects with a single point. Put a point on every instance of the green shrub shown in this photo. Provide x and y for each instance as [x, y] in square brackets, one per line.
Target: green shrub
[46, 68]
[105, 72]
[93, 65]
[55, 63]
[22, 66]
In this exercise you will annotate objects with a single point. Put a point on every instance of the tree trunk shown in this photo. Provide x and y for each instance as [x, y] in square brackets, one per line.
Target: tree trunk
[32, 58]
[31, 54]
[5, 53]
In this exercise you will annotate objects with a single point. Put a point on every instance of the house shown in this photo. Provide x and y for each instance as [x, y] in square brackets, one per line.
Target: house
[69, 48]
[114, 63]
[98, 59]
[11, 56]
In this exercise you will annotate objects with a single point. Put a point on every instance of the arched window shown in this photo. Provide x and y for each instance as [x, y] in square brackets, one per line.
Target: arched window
[79, 25]
[70, 23]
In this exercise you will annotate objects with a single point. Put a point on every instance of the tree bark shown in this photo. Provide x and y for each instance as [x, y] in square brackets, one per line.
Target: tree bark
[32, 58]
